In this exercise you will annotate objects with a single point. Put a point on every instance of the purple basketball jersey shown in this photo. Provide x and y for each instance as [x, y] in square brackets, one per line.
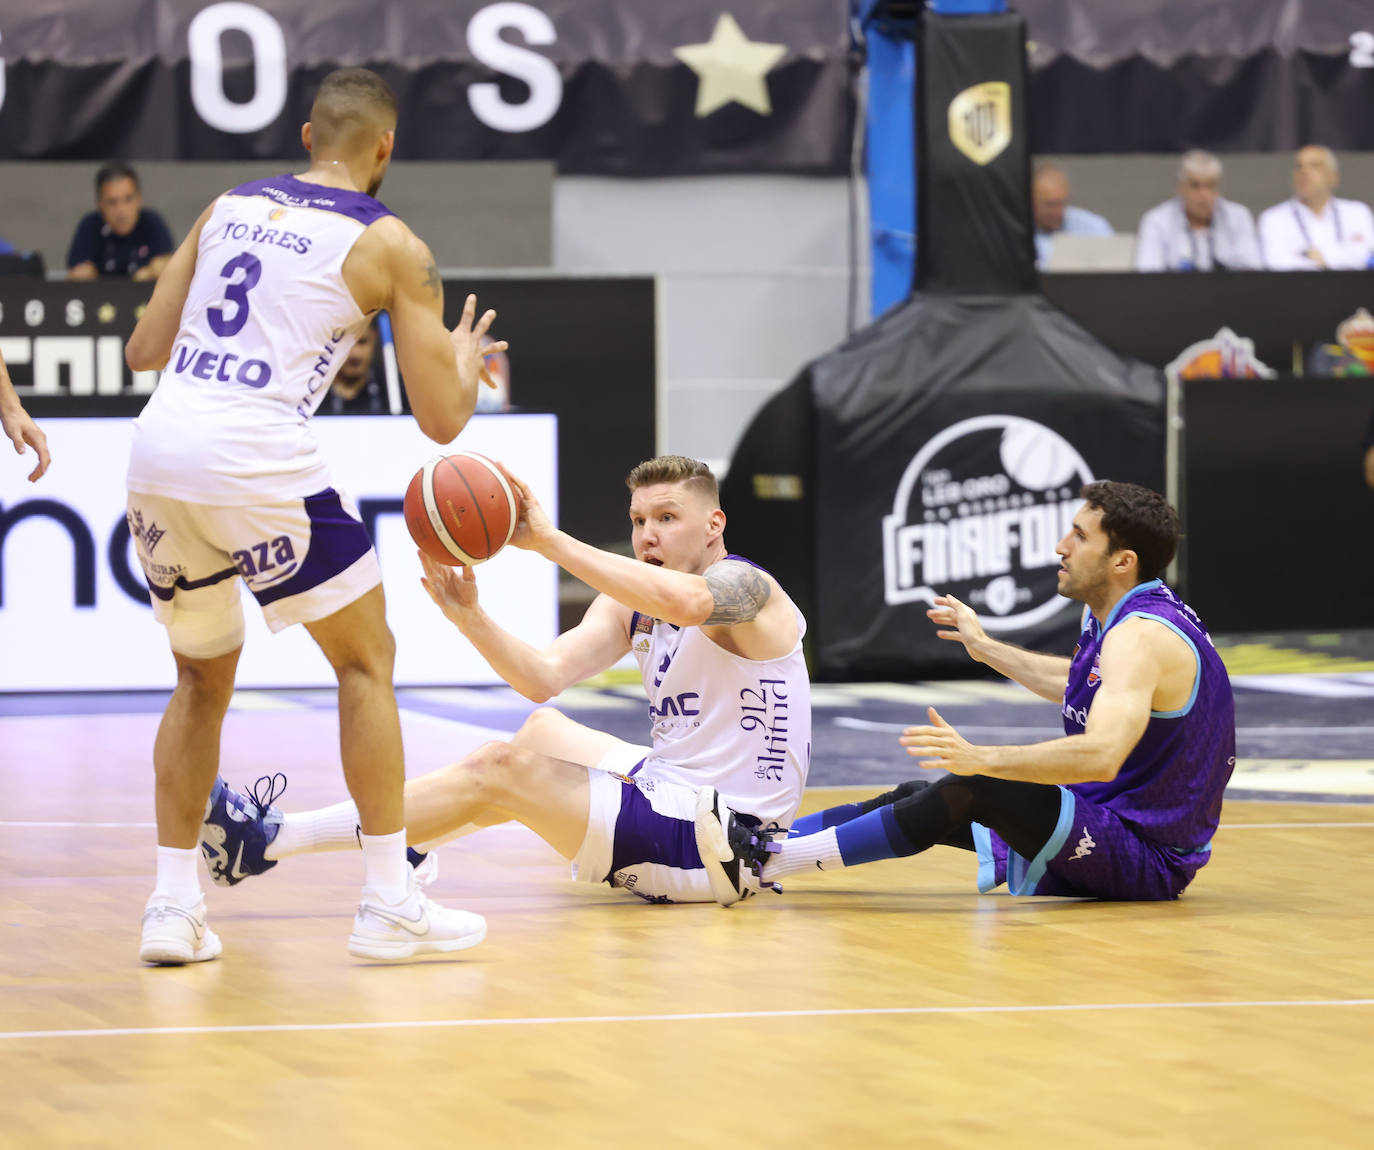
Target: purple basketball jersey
[1170, 786]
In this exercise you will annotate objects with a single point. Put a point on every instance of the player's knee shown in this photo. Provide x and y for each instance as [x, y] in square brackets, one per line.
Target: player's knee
[208, 688]
[375, 659]
[494, 770]
[539, 722]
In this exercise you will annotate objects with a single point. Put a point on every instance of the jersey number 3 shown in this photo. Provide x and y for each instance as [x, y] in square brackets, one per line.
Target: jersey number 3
[236, 293]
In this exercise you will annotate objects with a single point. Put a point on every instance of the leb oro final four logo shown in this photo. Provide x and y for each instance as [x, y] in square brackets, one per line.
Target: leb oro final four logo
[978, 514]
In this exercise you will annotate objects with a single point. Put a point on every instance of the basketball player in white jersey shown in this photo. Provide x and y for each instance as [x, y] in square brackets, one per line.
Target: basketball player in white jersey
[719, 646]
[249, 323]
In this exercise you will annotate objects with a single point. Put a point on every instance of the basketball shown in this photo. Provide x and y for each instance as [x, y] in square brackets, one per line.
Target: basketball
[460, 509]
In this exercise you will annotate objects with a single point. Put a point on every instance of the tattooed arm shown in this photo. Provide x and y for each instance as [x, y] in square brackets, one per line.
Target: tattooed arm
[738, 592]
[390, 267]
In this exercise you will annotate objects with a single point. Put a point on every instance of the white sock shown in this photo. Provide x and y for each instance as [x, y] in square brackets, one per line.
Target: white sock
[328, 829]
[178, 875]
[384, 860]
[803, 855]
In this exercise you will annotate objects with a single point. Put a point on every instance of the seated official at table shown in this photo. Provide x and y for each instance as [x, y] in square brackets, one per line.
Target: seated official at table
[1315, 230]
[1197, 230]
[121, 237]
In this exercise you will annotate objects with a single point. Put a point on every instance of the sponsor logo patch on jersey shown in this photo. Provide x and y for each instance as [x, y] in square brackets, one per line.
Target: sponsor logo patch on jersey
[643, 624]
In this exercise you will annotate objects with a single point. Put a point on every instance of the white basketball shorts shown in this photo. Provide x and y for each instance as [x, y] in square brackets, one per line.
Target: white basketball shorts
[641, 832]
[303, 559]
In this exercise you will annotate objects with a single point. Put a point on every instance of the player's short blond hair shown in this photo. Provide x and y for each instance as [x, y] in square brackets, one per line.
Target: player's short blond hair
[675, 469]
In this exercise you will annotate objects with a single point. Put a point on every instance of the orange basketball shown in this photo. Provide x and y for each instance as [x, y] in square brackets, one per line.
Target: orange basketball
[460, 509]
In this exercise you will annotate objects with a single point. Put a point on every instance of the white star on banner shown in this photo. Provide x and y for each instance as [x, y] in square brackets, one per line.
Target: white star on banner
[731, 68]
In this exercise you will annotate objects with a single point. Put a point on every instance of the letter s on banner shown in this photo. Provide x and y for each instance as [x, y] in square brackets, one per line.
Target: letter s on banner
[203, 40]
[539, 72]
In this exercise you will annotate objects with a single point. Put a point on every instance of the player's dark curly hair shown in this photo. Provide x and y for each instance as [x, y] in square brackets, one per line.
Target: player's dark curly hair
[675, 469]
[1136, 519]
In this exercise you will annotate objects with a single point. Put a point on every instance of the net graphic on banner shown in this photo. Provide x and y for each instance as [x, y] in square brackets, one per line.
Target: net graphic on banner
[978, 513]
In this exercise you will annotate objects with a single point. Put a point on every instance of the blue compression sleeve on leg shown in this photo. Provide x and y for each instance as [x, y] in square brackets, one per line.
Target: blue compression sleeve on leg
[820, 820]
[871, 837]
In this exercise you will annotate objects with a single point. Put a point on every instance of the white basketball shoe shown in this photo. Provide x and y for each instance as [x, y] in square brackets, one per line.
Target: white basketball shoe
[174, 935]
[393, 932]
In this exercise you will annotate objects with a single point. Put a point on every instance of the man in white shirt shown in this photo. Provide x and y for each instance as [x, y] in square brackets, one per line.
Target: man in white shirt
[1315, 230]
[1197, 230]
[1054, 214]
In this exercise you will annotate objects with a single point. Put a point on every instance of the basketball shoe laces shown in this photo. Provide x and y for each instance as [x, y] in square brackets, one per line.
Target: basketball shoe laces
[266, 791]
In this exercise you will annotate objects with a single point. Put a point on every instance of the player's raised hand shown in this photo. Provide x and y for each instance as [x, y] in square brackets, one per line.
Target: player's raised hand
[959, 623]
[940, 747]
[467, 345]
[453, 589]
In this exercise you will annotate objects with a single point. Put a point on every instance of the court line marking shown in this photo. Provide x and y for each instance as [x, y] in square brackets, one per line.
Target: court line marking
[704, 1016]
[875, 725]
[21, 824]
[1286, 826]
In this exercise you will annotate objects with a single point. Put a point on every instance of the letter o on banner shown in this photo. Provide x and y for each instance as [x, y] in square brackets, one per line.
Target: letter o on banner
[539, 72]
[203, 39]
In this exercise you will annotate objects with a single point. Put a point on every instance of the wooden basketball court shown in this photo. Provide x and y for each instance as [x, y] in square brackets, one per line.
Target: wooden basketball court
[888, 1005]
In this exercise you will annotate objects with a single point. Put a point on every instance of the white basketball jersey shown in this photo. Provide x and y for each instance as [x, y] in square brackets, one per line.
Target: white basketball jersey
[268, 321]
[740, 725]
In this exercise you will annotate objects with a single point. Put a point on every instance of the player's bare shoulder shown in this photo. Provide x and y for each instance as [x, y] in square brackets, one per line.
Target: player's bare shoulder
[387, 260]
[739, 591]
[750, 614]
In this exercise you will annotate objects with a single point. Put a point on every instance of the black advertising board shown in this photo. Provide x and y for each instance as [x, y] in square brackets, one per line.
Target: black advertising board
[1279, 516]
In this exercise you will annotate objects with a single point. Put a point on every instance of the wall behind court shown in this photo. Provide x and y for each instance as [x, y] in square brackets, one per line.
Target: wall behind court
[755, 270]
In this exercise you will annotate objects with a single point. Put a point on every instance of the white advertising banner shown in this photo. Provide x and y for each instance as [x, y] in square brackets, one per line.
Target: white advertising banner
[74, 611]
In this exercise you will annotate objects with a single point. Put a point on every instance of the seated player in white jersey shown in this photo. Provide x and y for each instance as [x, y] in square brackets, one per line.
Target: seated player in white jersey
[249, 324]
[719, 645]
[1124, 806]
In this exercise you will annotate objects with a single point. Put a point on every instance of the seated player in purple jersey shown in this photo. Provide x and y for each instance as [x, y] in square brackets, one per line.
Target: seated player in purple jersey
[719, 647]
[1124, 806]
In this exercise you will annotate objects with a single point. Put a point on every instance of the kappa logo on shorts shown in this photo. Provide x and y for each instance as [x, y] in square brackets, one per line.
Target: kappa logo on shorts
[1085, 846]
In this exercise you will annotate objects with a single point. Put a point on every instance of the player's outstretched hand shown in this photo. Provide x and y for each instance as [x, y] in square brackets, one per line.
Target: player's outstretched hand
[941, 747]
[534, 527]
[467, 345]
[453, 589]
[959, 623]
[22, 430]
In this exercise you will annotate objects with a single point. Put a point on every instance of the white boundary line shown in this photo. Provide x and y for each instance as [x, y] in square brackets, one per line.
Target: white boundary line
[711, 1016]
[82, 826]
[1049, 731]
[19, 824]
